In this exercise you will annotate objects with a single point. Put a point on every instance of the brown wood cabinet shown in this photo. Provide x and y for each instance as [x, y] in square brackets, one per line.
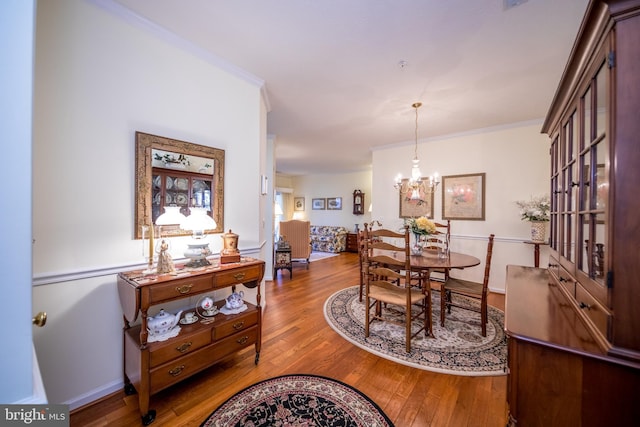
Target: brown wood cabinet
[558, 374]
[595, 166]
[577, 362]
[152, 366]
[183, 189]
[352, 242]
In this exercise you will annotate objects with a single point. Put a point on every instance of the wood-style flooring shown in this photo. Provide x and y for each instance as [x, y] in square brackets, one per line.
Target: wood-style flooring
[297, 339]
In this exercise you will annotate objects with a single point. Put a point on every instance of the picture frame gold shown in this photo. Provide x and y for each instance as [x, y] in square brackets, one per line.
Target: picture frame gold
[298, 204]
[463, 197]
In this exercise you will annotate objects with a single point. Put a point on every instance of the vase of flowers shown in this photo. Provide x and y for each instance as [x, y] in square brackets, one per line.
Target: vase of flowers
[420, 227]
[536, 211]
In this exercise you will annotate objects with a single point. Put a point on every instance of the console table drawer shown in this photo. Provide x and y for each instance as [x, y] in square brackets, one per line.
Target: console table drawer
[236, 342]
[238, 275]
[179, 347]
[179, 288]
[243, 322]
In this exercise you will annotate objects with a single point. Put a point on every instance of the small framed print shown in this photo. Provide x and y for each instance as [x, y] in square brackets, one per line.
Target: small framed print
[334, 203]
[298, 204]
[318, 204]
[463, 196]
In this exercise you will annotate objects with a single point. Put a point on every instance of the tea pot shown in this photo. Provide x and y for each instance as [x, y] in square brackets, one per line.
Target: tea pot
[234, 301]
[162, 322]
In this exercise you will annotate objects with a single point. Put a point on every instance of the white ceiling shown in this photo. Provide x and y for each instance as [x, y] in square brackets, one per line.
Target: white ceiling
[333, 80]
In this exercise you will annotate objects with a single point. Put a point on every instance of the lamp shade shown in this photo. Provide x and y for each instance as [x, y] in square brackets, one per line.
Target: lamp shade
[198, 220]
[171, 215]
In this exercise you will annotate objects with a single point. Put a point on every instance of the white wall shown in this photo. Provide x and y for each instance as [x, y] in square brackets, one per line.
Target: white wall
[342, 185]
[516, 163]
[101, 75]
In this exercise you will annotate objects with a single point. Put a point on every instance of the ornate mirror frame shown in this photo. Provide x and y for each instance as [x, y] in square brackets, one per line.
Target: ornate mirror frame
[145, 143]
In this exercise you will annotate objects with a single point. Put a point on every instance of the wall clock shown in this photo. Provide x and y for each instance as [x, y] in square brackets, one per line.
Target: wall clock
[358, 202]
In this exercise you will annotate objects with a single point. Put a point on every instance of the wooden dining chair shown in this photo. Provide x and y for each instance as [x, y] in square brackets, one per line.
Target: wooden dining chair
[388, 283]
[440, 241]
[469, 289]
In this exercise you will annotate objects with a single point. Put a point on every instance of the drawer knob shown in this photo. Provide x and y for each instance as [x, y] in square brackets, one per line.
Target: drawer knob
[184, 347]
[583, 305]
[176, 371]
[239, 276]
[242, 340]
[184, 289]
[238, 325]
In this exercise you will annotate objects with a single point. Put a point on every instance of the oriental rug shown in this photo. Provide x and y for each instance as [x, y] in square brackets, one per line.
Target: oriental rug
[298, 400]
[458, 348]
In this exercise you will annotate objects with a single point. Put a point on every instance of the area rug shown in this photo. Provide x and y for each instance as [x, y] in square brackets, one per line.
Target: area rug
[458, 348]
[315, 256]
[298, 400]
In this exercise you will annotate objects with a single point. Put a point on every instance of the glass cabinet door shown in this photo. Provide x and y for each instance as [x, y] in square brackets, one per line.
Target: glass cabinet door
[594, 169]
[180, 189]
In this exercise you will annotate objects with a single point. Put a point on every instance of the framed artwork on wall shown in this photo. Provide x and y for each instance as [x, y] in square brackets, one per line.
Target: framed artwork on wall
[463, 196]
[413, 208]
[334, 203]
[298, 204]
[318, 204]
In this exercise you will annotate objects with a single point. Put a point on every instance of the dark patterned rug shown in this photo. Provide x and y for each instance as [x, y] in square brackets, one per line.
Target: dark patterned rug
[298, 400]
[459, 347]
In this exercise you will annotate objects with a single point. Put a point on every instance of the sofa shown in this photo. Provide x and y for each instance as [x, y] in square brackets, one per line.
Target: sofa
[326, 238]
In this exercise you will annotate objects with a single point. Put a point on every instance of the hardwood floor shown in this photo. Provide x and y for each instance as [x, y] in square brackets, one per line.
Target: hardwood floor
[297, 339]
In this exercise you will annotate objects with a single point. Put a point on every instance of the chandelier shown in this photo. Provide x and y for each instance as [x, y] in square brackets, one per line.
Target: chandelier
[416, 184]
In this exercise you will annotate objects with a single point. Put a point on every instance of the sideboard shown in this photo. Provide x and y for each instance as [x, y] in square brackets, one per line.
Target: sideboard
[558, 375]
[153, 366]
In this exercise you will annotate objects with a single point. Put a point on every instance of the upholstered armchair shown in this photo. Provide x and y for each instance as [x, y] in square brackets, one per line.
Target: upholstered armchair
[298, 234]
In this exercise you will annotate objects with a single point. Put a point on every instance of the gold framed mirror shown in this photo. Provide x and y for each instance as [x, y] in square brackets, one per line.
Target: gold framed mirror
[195, 173]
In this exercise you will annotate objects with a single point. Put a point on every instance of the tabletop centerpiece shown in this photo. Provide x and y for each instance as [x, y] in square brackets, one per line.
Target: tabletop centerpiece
[420, 227]
[536, 211]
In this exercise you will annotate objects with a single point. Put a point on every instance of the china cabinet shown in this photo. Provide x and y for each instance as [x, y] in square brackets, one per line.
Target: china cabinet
[183, 189]
[153, 365]
[594, 274]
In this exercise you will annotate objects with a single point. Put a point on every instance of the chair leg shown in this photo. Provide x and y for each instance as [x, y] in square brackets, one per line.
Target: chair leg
[484, 318]
[367, 314]
[443, 304]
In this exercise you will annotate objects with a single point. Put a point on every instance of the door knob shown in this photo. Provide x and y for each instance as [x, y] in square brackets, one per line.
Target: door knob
[40, 319]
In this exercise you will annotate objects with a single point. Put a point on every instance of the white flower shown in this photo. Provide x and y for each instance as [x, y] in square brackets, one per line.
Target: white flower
[535, 209]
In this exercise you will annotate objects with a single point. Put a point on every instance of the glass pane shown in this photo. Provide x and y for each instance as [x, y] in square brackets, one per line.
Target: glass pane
[584, 261]
[201, 196]
[601, 104]
[588, 137]
[586, 181]
[601, 181]
[156, 196]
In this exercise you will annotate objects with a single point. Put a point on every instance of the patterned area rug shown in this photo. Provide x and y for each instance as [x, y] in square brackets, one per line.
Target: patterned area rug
[459, 347]
[298, 400]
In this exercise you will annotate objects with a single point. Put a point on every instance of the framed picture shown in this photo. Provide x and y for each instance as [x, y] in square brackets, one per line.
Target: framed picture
[298, 204]
[463, 196]
[318, 204]
[334, 203]
[413, 208]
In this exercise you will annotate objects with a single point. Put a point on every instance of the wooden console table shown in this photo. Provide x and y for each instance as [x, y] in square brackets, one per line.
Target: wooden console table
[152, 366]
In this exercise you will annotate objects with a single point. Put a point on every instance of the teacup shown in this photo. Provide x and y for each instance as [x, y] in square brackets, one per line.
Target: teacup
[190, 317]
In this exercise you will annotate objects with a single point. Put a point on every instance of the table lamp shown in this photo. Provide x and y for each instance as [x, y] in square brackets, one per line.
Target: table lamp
[198, 248]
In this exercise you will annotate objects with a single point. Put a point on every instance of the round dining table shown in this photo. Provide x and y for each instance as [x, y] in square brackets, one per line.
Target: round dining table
[430, 258]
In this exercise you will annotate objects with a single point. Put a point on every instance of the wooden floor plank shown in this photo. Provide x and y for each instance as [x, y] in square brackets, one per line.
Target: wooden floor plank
[297, 339]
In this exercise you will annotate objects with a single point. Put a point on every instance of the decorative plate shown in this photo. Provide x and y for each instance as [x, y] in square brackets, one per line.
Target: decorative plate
[182, 183]
[181, 199]
[168, 199]
[169, 183]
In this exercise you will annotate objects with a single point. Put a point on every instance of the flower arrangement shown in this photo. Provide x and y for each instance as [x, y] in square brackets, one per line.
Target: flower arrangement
[534, 209]
[421, 225]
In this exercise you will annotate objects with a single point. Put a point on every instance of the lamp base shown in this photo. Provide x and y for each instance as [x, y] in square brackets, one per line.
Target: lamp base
[200, 262]
[197, 252]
